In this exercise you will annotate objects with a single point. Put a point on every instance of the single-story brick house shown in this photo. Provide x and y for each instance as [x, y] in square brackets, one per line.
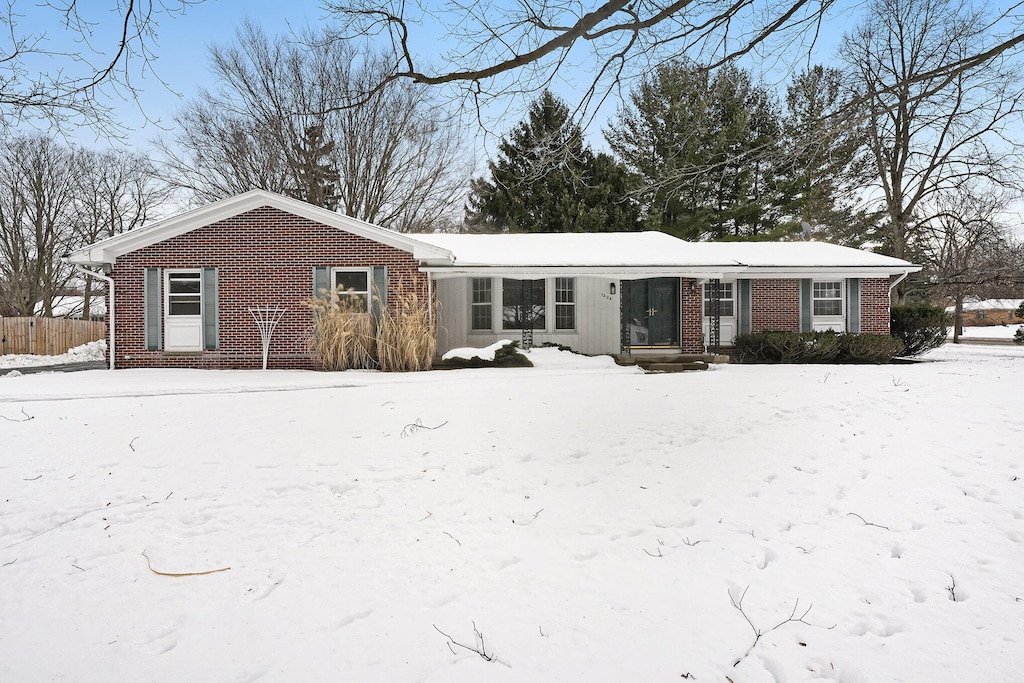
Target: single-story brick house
[989, 312]
[182, 288]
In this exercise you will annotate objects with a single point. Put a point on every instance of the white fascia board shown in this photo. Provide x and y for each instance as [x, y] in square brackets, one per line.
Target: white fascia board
[616, 272]
[106, 251]
[790, 272]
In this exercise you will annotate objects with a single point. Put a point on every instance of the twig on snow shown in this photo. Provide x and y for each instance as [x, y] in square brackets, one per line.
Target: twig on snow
[866, 522]
[211, 571]
[480, 647]
[758, 633]
[414, 427]
[453, 538]
[8, 564]
[33, 478]
[131, 444]
[24, 419]
[952, 588]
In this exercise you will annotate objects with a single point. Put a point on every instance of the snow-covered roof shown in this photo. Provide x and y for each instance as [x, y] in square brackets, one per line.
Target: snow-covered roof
[990, 305]
[642, 251]
[73, 306]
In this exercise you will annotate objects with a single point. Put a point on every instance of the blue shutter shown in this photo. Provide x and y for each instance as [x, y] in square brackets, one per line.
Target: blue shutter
[744, 309]
[321, 282]
[379, 291]
[806, 310]
[209, 309]
[853, 304]
[151, 305]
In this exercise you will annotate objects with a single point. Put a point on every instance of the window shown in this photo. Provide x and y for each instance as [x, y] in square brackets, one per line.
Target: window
[522, 303]
[981, 314]
[565, 303]
[184, 293]
[480, 306]
[726, 302]
[828, 298]
[352, 287]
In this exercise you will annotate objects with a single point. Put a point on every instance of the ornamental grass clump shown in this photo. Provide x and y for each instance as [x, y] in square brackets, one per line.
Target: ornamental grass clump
[406, 341]
[342, 335]
[399, 338]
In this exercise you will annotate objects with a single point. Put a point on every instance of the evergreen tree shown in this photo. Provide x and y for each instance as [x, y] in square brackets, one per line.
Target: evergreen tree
[315, 176]
[546, 179]
[702, 151]
[821, 161]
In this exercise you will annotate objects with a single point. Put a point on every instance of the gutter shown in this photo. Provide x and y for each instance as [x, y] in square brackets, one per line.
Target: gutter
[110, 304]
[900, 279]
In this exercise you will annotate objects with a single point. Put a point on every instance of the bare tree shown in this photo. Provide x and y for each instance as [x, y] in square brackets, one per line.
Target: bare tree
[967, 248]
[117, 191]
[483, 43]
[931, 131]
[37, 192]
[62, 61]
[300, 116]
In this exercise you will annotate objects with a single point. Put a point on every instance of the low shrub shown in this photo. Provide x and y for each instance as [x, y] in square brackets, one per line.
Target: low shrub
[921, 327]
[507, 356]
[1018, 336]
[406, 341]
[815, 347]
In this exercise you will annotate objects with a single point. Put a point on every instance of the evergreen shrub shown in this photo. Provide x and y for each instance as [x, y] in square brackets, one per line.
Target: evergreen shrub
[921, 327]
[815, 347]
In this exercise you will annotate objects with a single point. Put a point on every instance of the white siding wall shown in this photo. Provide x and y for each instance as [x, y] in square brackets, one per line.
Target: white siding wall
[597, 317]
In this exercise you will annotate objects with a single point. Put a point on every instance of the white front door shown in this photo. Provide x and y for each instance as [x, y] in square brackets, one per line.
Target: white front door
[727, 311]
[183, 322]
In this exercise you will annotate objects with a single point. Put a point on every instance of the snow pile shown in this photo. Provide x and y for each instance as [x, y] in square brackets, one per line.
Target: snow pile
[92, 351]
[571, 521]
[469, 353]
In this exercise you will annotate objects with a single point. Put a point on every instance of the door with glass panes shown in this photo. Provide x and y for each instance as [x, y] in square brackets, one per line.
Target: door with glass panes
[653, 312]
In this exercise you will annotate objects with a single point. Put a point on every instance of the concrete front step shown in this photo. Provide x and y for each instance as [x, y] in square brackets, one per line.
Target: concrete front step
[678, 362]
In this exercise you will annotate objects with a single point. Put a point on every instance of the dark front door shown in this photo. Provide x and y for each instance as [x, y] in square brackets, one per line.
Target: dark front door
[653, 312]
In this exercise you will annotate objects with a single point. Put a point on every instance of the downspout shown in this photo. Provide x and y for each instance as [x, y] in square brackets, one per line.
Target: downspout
[900, 279]
[110, 304]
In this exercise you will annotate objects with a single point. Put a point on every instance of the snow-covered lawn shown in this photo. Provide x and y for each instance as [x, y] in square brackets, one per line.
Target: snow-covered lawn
[591, 523]
[988, 331]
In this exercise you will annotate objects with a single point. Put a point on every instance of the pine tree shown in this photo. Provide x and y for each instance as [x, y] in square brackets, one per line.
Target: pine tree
[547, 179]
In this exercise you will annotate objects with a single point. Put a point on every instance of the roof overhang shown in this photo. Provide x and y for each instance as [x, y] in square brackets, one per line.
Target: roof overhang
[611, 271]
[106, 252]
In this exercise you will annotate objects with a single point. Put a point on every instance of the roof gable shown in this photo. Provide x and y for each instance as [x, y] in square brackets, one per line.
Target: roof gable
[106, 251]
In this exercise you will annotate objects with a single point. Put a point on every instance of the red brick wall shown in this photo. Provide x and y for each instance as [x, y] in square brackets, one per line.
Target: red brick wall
[692, 338]
[775, 305]
[874, 306]
[264, 256]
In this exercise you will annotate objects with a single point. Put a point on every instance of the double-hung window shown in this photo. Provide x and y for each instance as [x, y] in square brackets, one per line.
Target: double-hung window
[828, 298]
[565, 303]
[352, 288]
[480, 304]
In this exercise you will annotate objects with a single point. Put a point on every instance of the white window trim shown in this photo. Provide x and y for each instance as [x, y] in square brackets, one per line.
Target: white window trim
[555, 303]
[473, 305]
[836, 322]
[704, 298]
[356, 269]
[167, 290]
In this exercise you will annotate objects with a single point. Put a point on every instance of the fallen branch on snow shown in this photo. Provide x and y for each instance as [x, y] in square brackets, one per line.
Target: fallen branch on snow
[480, 648]
[210, 571]
[758, 633]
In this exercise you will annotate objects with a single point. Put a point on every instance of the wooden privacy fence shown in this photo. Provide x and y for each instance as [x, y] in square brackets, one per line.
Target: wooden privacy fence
[47, 336]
